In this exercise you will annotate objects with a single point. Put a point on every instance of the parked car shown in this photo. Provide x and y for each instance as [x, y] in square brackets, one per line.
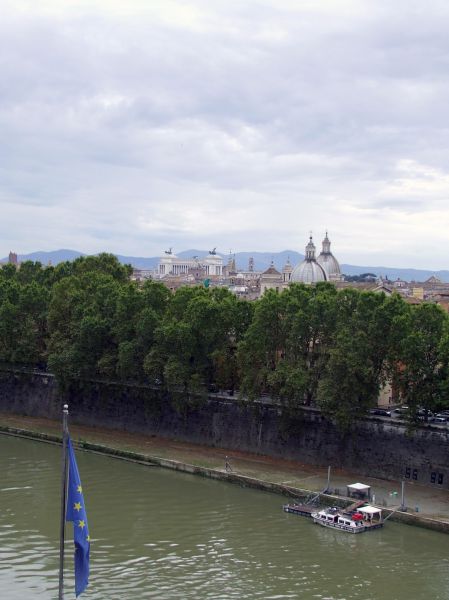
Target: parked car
[383, 412]
[422, 412]
[438, 419]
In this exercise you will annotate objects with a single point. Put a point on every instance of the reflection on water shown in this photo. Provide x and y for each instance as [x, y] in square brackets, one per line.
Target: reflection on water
[165, 535]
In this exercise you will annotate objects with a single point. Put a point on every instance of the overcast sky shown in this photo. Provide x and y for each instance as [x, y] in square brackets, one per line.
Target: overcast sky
[133, 126]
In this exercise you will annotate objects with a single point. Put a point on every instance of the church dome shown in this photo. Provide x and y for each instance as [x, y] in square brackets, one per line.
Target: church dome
[328, 261]
[309, 271]
[329, 264]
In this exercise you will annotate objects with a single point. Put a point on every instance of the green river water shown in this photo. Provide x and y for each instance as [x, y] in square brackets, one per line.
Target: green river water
[165, 535]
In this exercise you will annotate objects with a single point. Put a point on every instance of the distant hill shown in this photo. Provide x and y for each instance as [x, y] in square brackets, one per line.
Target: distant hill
[394, 273]
[139, 262]
[262, 261]
[55, 256]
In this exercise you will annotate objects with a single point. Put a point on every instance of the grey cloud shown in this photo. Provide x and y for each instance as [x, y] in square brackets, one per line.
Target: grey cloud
[263, 106]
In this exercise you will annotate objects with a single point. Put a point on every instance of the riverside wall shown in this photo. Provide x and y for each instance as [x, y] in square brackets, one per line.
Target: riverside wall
[374, 446]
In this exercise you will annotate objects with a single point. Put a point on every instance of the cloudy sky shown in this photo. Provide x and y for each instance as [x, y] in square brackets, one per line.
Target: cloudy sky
[133, 126]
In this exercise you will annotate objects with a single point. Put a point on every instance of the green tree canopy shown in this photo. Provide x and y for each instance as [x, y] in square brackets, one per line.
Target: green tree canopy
[362, 355]
[424, 354]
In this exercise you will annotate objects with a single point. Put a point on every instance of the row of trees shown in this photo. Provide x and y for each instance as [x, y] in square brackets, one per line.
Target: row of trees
[307, 345]
[315, 345]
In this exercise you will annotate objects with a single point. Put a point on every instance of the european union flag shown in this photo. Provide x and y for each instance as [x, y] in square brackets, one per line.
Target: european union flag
[76, 512]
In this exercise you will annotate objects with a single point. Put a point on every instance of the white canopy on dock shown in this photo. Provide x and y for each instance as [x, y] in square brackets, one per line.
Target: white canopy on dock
[360, 487]
[370, 510]
[359, 490]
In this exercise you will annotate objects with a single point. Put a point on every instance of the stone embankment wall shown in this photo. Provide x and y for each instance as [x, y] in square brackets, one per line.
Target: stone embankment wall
[374, 447]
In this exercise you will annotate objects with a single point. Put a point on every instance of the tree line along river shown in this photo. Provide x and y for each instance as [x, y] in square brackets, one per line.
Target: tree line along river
[165, 535]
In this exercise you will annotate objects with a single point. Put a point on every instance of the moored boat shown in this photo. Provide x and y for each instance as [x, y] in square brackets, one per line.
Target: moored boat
[363, 519]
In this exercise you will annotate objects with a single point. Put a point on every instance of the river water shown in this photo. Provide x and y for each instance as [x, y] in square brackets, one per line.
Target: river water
[165, 535]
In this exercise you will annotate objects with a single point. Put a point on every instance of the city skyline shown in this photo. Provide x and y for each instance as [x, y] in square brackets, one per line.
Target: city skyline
[262, 261]
[132, 128]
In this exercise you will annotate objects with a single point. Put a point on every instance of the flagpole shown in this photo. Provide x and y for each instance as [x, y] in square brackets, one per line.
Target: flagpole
[65, 414]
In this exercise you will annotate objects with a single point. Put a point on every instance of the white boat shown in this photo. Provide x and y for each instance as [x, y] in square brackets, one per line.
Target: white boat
[363, 519]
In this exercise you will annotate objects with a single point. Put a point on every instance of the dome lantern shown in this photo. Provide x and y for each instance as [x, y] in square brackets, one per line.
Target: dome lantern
[328, 261]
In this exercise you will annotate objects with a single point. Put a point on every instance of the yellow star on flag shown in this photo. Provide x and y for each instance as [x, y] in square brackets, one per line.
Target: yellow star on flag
[82, 524]
[79, 489]
[77, 506]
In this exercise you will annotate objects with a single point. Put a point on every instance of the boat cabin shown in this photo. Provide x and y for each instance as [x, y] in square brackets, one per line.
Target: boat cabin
[349, 522]
[334, 517]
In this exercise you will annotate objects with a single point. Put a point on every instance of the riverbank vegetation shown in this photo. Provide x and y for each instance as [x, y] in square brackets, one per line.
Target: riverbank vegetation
[85, 320]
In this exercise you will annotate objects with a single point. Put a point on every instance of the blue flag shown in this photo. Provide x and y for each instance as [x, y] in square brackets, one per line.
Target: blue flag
[76, 512]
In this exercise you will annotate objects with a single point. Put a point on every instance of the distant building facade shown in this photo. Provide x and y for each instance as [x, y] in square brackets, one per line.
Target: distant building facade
[171, 265]
[271, 279]
[287, 270]
[142, 274]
